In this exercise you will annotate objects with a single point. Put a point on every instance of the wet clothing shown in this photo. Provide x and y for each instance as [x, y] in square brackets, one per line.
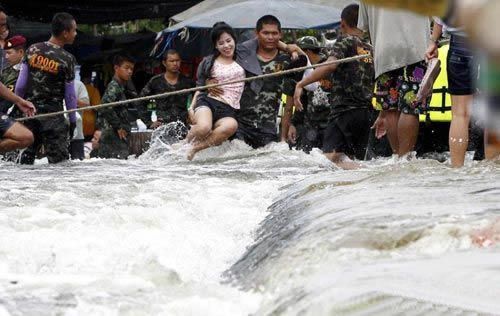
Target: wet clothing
[51, 72]
[262, 108]
[9, 78]
[352, 93]
[231, 93]
[352, 83]
[77, 149]
[246, 57]
[226, 104]
[111, 119]
[462, 67]
[219, 109]
[348, 133]
[397, 89]
[111, 146]
[310, 137]
[46, 79]
[5, 124]
[313, 119]
[169, 109]
[259, 111]
[52, 133]
[257, 137]
[319, 105]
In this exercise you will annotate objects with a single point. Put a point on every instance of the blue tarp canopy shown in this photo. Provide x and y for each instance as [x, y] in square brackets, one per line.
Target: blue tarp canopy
[293, 14]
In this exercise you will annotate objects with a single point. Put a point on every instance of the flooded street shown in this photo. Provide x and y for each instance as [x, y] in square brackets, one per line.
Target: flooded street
[241, 231]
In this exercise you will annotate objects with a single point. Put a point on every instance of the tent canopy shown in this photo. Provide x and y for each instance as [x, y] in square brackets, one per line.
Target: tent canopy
[208, 5]
[97, 11]
[293, 14]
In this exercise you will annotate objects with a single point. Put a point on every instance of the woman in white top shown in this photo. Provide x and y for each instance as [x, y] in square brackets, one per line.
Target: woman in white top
[214, 116]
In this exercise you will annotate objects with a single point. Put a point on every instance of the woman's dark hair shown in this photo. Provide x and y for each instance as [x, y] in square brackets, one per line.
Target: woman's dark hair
[218, 29]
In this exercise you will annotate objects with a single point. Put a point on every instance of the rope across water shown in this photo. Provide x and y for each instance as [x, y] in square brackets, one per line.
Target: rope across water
[184, 91]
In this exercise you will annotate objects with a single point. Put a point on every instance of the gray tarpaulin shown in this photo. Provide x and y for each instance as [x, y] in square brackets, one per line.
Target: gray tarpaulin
[293, 14]
[208, 5]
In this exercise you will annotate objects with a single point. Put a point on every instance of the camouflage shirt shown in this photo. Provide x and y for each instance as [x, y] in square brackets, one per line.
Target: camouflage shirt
[353, 82]
[169, 109]
[9, 78]
[50, 68]
[319, 105]
[115, 117]
[261, 109]
[318, 108]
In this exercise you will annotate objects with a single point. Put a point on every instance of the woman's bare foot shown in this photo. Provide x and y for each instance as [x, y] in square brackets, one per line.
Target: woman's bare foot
[192, 152]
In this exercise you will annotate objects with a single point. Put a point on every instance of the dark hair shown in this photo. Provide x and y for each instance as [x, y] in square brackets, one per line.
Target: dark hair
[350, 15]
[85, 71]
[267, 19]
[119, 59]
[2, 9]
[218, 29]
[170, 52]
[61, 22]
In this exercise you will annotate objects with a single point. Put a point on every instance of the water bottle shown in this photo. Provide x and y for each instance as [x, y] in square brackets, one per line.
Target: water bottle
[152, 106]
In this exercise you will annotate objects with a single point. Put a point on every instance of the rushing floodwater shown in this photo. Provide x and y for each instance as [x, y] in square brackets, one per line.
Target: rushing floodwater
[239, 231]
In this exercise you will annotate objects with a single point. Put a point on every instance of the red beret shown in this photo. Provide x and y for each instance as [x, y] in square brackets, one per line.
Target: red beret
[15, 41]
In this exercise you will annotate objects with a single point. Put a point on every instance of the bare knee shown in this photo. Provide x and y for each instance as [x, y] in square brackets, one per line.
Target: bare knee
[462, 113]
[230, 127]
[201, 130]
[22, 135]
[461, 107]
[226, 126]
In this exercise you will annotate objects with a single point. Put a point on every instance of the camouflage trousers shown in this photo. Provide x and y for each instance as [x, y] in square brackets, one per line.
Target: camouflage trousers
[52, 134]
[111, 146]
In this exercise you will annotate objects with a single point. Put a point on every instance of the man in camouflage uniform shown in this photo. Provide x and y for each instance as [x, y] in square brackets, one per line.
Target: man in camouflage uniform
[14, 53]
[313, 120]
[173, 108]
[13, 135]
[46, 78]
[115, 122]
[352, 90]
[260, 100]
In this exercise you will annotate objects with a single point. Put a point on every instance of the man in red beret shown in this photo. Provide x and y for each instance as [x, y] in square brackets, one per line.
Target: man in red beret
[15, 48]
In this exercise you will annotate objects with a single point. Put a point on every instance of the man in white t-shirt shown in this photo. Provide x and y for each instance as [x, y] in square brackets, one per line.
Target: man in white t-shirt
[400, 40]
